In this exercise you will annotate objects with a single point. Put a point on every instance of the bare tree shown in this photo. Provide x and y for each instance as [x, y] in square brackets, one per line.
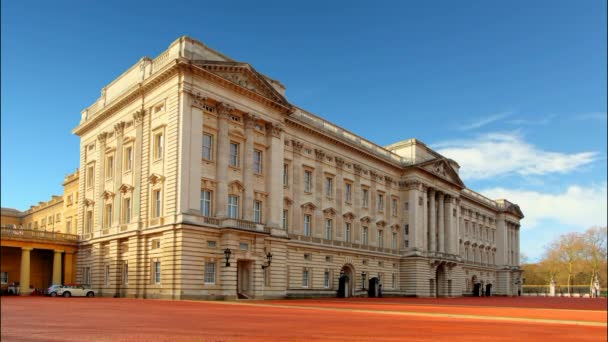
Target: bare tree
[595, 250]
[568, 249]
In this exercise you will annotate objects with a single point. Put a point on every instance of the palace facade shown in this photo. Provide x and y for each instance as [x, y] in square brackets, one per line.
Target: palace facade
[191, 155]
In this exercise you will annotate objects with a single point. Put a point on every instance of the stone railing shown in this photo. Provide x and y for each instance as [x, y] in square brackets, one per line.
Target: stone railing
[236, 224]
[479, 197]
[338, 243]
[9, 232]
[343, 134]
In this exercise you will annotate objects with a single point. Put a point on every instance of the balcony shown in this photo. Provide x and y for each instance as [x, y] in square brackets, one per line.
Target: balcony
[20, 234]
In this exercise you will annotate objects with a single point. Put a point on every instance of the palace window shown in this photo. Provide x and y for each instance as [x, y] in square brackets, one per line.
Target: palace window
[257, 211]
[394, 207]
[109, 167]
[328, 226]
[394, 243]
[234, 154]
[326, 279]
[307, 228]
[380, 202]
[158, 145]
[407, 229]
[364, 236]
[329, 185]
[126, 210]
[380, 238]
[347, 232]
[157, 208]
[208, 146]
[157, 272]
[205, 202]
[285, 218]
[68, 226]
[107, 275]
[257, 161]
[125, 273]
[89, 222]
[365, 198]
[90, 176]
[305, 280]
[128, 158]
[394, 281]
[307, 181]
[4, 278]
[107, 219]
[86, 275]
[285, 174]
[233, 206]
[348, 190]
[209, 273]
[363, 280]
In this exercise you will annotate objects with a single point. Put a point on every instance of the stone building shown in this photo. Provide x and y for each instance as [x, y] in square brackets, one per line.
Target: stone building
[191, 155]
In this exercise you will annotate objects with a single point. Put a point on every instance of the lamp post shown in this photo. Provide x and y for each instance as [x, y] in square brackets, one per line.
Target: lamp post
[269, 258]
[227, 253]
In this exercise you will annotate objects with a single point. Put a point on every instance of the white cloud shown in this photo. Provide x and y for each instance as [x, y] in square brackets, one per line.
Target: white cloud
[580, 206]
[485, 120]
[542, 121]
[496, 154]
[601, 116]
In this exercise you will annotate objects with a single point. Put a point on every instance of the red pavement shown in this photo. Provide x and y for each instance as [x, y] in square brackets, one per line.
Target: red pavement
[108, 319]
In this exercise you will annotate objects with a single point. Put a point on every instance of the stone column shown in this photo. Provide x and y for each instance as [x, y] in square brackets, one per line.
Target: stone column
[432, 221]
[275, 176]
[357, 202]
[298, 188]
[517, 246]
[414, 212]
[24, 280]
[449, 230]
[57, 267]
[441, 223]
[138, 119]
[339, 188]
[248, 169]
[318, 226]
[100, 180]
[223, 154]
[119, 129]
[424, 219]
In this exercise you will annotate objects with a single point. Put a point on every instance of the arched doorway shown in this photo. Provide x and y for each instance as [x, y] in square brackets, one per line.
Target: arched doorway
[372, 291]
[488, 290]
[476, 286]
[346, 283]
[440, 281]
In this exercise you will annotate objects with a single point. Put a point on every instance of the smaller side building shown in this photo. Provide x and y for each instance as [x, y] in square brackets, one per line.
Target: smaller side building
[38, 246]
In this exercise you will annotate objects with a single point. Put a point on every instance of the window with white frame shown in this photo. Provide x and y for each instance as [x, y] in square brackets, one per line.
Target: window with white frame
[363, 280]
[157, 204]
[380, 202]
[305, 278]
[329, 186]
[394, 243]
[89, 221]
[364, 236]
[326, 279]
[109, 167]
[159, 144]
[205, 202]
[156, 269]
[257, 161]
[380, 238]
[128, 158]
[285, 174]
[209, 272]
[234, 154]
[285, 218]
[90, 176]
[347, 232]
[233, 206]
[257, 211]
[348, 192]
[86, 275]
[328, 228]
[207, 146]
[307, 181]
[126, 210]
[394, 281]
[307, 222]
[365, 195]
[4, 278]
[68, 226]
[107, 218]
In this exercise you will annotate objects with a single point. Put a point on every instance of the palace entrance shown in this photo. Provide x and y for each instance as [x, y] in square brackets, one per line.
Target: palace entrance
[244, 274]
[346, 284]
[441, 288]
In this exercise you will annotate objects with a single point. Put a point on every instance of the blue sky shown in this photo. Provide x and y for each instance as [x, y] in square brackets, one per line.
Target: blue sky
[515, 91]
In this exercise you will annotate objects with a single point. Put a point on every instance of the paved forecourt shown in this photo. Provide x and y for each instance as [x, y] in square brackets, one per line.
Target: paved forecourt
[353, 319]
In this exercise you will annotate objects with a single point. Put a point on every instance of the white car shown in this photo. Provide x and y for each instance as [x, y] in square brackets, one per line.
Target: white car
[76, 291]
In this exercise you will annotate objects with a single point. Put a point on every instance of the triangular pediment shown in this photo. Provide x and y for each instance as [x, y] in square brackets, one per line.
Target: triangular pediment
[442, 169]
[245, 76]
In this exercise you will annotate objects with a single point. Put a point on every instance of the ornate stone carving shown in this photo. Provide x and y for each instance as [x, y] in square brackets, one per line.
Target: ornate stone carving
[125, 188]
[287, 201]
[297, 146]
[107, 194]
[102, 137]
[357, 169]
[329, 211]
[373, 175]
[349, 216]
[366, 219]
[138, 116]
[388, 179]
[250, 120]
[274, 129]
[119, 128]
[339, 162]
[412, 185]
[155, 178]
[319, 154]
[224, 110]
[439, 168]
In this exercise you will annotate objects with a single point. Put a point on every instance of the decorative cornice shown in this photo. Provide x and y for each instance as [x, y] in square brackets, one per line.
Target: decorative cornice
[119, 128]
[155, 178]
[274, 129]
[319, 154]
[138, 116]
[102, 137]
[357, 169]
[339, 162]
[297, 146]
[250, 120]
